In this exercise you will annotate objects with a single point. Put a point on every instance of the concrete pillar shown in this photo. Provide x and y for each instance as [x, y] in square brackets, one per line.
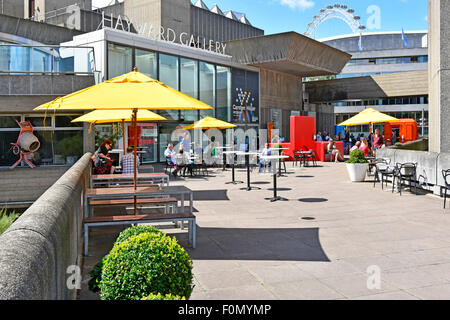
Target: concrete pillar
[439, 75]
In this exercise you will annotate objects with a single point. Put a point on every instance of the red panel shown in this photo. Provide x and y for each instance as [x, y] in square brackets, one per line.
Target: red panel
[321, 149]
[302, 133]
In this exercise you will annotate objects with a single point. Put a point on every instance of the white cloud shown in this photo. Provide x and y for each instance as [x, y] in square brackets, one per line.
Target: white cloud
[298, 4]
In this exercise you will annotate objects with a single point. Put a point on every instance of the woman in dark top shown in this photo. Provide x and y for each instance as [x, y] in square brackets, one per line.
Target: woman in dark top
[103, 162]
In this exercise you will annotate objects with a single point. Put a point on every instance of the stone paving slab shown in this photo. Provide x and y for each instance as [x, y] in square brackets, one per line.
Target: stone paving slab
[317, 245]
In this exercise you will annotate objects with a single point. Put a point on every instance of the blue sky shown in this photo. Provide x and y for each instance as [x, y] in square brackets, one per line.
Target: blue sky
[275, 16]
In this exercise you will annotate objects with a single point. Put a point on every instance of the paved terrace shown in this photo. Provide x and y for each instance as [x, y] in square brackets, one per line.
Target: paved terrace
[317, 245]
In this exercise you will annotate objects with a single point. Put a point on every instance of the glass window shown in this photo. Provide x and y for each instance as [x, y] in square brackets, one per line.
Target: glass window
[207, 87]
[39, 121]
[189, 85]
[224, 93]
[146, 62]
[9, 121]
[58, 146]
[66, 121]
[168, 74]
[41, 60]
[120, 60]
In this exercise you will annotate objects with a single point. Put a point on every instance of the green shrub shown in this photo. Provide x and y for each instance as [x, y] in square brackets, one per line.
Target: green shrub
[7, 219]
[96, 276]
[145, 264]
[135, 231]
[357, 156]
[96, 273]
[159, 296]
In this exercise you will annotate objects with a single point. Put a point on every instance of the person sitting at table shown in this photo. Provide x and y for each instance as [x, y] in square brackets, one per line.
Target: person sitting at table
[127, 161]
[365, 147]
[170, 154]
[356, 146]
[267, 151]
[334, 152]
[183, 162]
[102, 159]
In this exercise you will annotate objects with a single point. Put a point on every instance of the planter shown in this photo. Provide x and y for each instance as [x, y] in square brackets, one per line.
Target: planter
[357, 171]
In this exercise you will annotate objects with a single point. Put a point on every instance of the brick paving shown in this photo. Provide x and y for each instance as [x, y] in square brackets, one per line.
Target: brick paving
[317, 245]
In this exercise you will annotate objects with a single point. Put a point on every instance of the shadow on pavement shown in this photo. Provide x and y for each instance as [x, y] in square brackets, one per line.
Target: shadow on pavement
[299, 244]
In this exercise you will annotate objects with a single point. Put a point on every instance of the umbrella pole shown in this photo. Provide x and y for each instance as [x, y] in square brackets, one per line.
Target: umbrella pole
[123, 136]
[134, 120]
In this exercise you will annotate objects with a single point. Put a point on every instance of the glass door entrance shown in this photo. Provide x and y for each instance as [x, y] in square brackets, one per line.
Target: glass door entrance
[147, 141]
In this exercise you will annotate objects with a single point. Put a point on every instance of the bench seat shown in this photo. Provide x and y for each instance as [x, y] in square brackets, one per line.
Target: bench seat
[130, 220]
[131, 201]
[140, 185]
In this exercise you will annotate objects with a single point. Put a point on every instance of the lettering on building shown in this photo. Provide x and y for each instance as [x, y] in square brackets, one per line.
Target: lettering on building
[162, 34]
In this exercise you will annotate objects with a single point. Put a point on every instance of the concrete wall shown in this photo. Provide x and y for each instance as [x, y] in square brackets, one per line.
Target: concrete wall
[439, 75]
[429, 165]
[36, 251]
[37, 31]
[371, 87]
[25, 185]
[43, 84]
[13, 8]
[210, 25]
[382, 41]
[279, 91]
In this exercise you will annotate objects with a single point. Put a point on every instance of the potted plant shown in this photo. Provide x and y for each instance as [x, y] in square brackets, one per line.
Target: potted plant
[357, 166]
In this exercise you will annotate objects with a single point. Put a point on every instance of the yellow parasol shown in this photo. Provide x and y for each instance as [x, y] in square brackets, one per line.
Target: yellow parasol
[368, 116]
[110, 116]
[210, 123]
[131, 91]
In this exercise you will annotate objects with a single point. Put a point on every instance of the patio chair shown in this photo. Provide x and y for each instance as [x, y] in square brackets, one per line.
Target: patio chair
[298, 157]
[382, 169]
[405, 171]
[311, 156]
[283, 162]
[446, 175]
[169, 167]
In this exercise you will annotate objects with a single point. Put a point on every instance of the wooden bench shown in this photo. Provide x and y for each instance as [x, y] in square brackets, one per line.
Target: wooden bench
[131, 220]
[170, 204]
[118, 185]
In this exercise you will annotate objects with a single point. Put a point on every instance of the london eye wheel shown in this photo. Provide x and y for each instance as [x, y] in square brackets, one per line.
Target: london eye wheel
[336, 11]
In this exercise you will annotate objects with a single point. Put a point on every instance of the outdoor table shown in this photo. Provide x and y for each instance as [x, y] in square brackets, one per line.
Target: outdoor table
[275, 195]
[110, 179]
[232, 168]
[303, 153]
[279, 163]
[224, 157]
[247, 160]
[126, 193]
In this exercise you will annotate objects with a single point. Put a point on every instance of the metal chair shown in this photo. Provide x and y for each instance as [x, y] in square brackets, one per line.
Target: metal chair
[298, 157]
[446, 175]
[283, 161]
[382, 169]
[169, 166]
[405, 171]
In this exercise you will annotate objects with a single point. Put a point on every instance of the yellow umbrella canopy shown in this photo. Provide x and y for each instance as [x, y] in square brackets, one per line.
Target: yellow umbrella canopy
[133, 90]
[366, 117]
[210, 123]
[109, 116]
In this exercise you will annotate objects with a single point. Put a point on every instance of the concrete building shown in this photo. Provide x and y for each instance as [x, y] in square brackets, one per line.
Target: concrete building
[385, 72]
[214, 56]
[439, 75]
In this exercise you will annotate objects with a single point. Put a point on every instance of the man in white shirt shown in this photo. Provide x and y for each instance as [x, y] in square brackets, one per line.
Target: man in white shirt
[267, 151]
[170, 154]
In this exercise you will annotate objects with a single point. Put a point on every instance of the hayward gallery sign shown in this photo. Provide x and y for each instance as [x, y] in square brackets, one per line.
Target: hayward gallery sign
[163, 34]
